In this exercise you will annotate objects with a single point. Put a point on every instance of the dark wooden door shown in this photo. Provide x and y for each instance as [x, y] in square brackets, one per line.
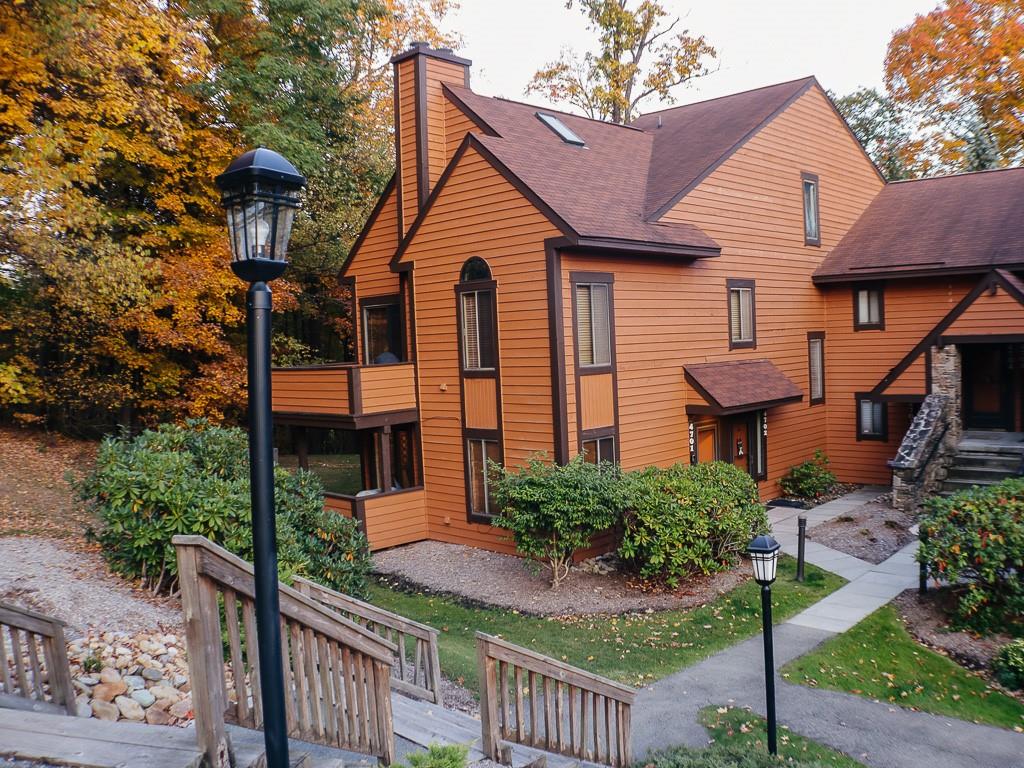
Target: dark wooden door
[988, 395]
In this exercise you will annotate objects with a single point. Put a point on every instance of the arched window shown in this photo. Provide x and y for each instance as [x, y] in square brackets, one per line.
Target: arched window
[475, 268]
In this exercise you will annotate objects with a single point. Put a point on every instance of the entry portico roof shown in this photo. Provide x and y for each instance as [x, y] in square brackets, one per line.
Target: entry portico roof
[737, 386]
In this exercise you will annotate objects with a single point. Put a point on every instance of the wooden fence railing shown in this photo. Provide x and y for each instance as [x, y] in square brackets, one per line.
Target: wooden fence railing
[336, 672]
[530, 699]
[415, 670]
[34, 671]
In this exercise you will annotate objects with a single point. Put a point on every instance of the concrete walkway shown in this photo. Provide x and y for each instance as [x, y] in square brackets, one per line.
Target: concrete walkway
[666, 713]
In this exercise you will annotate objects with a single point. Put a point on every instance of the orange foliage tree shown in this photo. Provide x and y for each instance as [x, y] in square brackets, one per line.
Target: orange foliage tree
[960, 69]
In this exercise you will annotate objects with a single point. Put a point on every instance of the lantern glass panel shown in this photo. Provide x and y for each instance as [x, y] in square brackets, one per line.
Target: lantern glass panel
[260, 217]
[765, 566]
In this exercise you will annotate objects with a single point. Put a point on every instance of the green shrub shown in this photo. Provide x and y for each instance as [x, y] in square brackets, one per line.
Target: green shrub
[689, 519]
[194, 479]
[1009, 665]
[552, 511]
[975, 540]
[810, 480]
[440, 756]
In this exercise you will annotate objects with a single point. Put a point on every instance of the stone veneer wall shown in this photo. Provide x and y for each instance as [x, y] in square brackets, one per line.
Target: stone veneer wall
[923, 458]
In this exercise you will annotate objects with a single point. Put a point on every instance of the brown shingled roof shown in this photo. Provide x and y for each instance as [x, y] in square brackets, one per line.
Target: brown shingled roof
[736, 386]
[598, 189]
[966, 223]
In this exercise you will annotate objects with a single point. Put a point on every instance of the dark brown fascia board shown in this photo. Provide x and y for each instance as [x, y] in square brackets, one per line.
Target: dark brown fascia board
[374, 214]
[529, 194]
[346, 421]
[717, 409]
[992, 278]
[881, 274]
[659, 212]
[422, 160]
[442, 54]
[478, 121]
[645, 247]
[556, 344]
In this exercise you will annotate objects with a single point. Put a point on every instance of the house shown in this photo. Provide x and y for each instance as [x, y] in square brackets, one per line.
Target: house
[729, 280]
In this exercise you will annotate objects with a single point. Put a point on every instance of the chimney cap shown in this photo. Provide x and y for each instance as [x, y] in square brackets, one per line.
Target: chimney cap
[420, 48]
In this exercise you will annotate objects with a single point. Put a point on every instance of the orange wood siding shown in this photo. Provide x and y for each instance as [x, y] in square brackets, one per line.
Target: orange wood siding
[479, 213]
[480, 402]
[339, 504]
[405, 75]
[670, 314]
[855, 361]
[394, 518]
[998, 313]
[439, 72]
[388, 387]
[310, 390]
[597, 401]
[456, 126]
[913, 381]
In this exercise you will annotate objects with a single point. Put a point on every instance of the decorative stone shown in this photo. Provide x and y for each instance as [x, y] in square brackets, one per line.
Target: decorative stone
[129, 708]
[109, 691]
[149, 673]
[82, 705]
[156, 716]
[162, 704]
[134, 681]
[144, 697]
[166, 692]
[110, 675]
[104, 710]
[183, 708]
[180, 680]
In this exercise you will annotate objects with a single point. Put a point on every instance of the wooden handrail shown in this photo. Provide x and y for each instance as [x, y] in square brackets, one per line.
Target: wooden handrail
[423, 680]
[336, 671]
[530, 699]
[35, 683]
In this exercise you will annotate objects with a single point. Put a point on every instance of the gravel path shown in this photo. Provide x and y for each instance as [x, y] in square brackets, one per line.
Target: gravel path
[872, 532]
[508, 582]
[50, 577]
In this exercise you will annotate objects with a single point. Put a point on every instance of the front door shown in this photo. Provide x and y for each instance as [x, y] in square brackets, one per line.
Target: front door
[988, 401]
[739, 443]
[707, 443]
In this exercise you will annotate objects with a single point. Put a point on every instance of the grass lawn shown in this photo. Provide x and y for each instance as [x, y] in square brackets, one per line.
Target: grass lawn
[632, 648]
[744, 732]
[880, 660]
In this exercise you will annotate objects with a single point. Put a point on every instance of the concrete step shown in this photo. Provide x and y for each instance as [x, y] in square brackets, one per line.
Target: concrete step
[955, 486]
[979, 473]
[1008, 461]
[990, 446]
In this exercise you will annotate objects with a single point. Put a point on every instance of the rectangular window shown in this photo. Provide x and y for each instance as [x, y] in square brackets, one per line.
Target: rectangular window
[479, 453]
[382, 333]
[816, 366]
[593, 324]
[742, 315]
[812, 232]
[871, 419]
[868, 308]
[599, 450]
[478, 332]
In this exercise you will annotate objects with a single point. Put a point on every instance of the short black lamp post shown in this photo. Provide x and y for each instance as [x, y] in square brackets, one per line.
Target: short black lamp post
[764, 556]
[260, 192]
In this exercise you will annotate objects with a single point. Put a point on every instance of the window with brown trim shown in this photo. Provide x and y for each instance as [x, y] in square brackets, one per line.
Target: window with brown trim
[598, 449]
[742, 314]
[383, 340]
[816, 366]
[868, 308]
[593, 324]
[477, 328]
[478, 453]
[872, 419]
[812, 218]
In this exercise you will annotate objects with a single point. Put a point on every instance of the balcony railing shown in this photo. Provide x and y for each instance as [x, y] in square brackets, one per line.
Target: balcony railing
[360, 395]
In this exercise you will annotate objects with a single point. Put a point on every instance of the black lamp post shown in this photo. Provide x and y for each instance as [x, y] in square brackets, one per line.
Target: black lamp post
[764, 556]
[260, 192]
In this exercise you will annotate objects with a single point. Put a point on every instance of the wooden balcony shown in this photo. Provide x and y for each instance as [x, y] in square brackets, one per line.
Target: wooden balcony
[345, 394]
[388, 519]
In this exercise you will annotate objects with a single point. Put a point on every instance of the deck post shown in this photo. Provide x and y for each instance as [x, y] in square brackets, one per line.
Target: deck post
[488, 702]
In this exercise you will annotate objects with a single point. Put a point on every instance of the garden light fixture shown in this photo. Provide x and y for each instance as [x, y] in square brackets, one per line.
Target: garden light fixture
[764, 557]
[260, 192]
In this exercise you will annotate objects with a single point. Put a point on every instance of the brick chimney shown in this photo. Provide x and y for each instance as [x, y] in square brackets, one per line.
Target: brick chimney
[419, 121]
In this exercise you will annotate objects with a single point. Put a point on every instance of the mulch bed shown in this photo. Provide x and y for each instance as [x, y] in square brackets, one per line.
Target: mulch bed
[873, 531]
[838, 490]
[505, 581]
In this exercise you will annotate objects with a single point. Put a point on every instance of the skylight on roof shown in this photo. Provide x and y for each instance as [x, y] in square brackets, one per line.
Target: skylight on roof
[561, 129]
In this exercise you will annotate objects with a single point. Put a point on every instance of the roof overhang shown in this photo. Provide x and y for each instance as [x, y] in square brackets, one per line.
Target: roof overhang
[874, 275]
[740, 386]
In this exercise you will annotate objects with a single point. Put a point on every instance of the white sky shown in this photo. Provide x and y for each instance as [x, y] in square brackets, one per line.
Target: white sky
[842, 42]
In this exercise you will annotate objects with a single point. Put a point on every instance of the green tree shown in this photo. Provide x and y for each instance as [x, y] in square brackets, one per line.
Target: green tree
[641, 53]
[883, 128]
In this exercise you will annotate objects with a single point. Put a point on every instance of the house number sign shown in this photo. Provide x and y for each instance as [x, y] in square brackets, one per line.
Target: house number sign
[693, 443]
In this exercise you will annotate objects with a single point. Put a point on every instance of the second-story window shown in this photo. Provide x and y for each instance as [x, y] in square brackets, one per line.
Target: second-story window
[816, 366]
[812, 225]
[593, 324]
[382, 330]
[477, 325]
[742, 317]
[868, 308]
